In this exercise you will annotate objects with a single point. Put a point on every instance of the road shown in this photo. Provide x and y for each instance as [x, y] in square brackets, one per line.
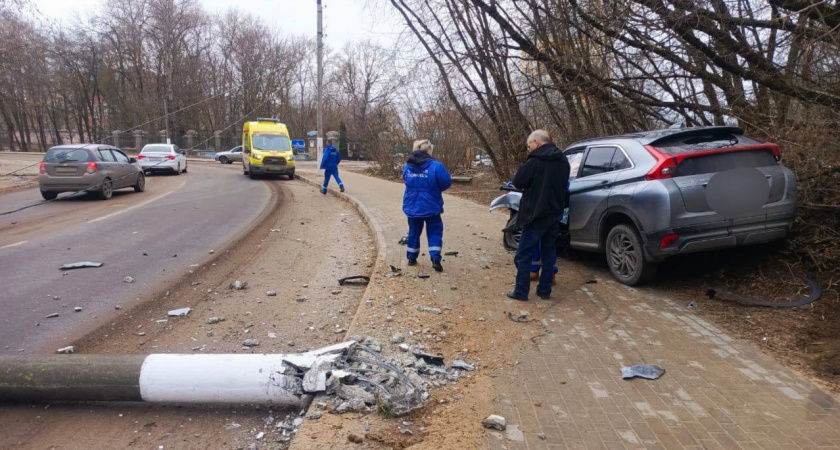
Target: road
[152, 236]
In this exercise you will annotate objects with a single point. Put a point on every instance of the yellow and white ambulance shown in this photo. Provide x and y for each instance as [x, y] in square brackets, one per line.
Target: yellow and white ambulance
[267, 149]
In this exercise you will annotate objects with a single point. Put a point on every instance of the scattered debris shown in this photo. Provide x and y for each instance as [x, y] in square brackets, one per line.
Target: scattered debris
[336, 292]
[52, 316]
[398, 339]
[648, 371]
[212, 251]
[355, 279]
[77, 309]
[271, 293]
[233, 426]
[66, 350]
[691, 305]
[315, 416]
[404, 347]
[430, 359]
[290, 343]
[81, 265]
[393, 275]
[450, 254]
[129, 280]
[301, 299]
[395, 269]
[260, 435]
[403, 240]
[179, 312]
[591, 282]
[460, 364]
[816, 292]
[541, 436]
[428, 309]
[272, 335]
[494, 422]
[238, 285]
[355, 439]
[214, 320]
[250, 343]
[423, 275]
[523, 316]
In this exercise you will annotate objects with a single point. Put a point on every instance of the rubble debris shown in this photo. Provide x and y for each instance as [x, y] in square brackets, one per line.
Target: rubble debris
[250, 343]
[271, 294]
[816, 292]
[691, 305]
[260, 435]
[404, 347]
[403, 240]
[450, 254]
[423, 276]
[77, 309]
[291, 343]
[52, 316]
[315, 416]
[81, 265]
[494, 422]
[430, 359]
[180, 312]
[238, 285]
[428, 309]
[350, 392]
[395, 269]
[393, 275]
[300, 299]
[648, 371]
[522, 316]
[214, 320]
[541, 436]
[129, 280]
[460, 364]
[355, 279]
[355, 439]
[335, 292]
[591, 282]
[398, 339]
[66, 350]
[406, 431]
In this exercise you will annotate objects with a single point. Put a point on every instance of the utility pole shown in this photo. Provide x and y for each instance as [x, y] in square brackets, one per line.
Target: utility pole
[166, 117]
[319, 146]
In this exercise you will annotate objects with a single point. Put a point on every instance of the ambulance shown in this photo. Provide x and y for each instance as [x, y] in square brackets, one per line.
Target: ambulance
[267, 149]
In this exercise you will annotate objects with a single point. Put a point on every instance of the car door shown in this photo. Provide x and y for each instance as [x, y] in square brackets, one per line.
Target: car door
[110, 168]
[589, 194]
[128, 172]
[236, 154]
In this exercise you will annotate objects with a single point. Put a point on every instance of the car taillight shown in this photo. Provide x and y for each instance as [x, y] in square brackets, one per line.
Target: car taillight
[43, 168]
[668, 240]
[777, 152]
[665, 165]
[170, 156]
[141, 156]
[91, 167]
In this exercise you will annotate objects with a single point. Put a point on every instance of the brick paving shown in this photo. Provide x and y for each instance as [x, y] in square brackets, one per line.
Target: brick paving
[566, 392]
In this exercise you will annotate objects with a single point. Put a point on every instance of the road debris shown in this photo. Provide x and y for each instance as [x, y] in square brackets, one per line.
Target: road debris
[271, 293]
[423, 276]
[430, 309]
[395, 269]
[691, 305]
[648, 371]
[214, 320]
[398, 339]
[355, 279]
[81, 265]
[404, 347]
[315, 416]
[301, 299]
[250, 343]
[77, 309]
[403, 240]
[238, 285]
[52, 316]
[179, 312]
[129, 280]
[393, 275]
[429, 359]
[494, 422]
[522, 316]
[66, 350]
[816, 292]
[450, 254]
[460, 364]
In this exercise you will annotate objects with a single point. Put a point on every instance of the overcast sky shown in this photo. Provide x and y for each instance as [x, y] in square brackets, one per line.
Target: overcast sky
[344, 20]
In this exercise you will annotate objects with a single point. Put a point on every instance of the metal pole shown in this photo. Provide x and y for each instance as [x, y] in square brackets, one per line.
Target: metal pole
[166, 117]
[319, 146]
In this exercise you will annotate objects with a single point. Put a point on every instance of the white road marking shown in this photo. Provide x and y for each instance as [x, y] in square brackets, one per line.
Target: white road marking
[153, 199]
[16, 244]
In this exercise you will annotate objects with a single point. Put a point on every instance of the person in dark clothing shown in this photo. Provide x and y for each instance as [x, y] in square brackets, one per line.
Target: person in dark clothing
[329, 164]
[543, 180]
[425, 180]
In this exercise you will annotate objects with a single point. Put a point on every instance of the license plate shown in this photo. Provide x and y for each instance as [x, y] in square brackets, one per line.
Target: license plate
[155, 159]
[65, 170]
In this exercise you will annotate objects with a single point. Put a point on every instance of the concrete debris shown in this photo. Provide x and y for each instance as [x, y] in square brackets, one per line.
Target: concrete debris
[301, 299]
[238, 285]
[428, 309]
[81, 265]
[66, 350]
[233, 426]
[390, 318]
[272, 335]
[315, 416]
[214, 320]
[77, 309]
[260, 436]
[129, 280]
[336, 292]
[51, 316]
[350, 392]
[355, 439]
[355, 279]
[430, 359]
[423, 275]
[291, 343]
[392, 275]
[514, 434]
[459, 364]
[494, 422]
[179, 312]
[297, 422]
[398, 339]
[541, 436]
[404, 347]
[251, 343]
[212, 251]
[450, 254]
[406, 431]
[353, 405]
[271, 293]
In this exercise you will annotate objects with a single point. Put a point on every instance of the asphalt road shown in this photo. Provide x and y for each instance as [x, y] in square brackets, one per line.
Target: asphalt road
[133, 234]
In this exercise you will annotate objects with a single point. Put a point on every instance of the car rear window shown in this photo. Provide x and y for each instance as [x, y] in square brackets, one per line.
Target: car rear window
[718, 162]
[65, 154]
[157, 149]
[705, 141]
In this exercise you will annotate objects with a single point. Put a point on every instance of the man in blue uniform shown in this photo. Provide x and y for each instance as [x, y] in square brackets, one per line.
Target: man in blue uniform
[425, 180]
[329, 164]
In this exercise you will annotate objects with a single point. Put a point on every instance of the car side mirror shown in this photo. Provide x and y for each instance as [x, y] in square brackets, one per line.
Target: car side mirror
[132, 160]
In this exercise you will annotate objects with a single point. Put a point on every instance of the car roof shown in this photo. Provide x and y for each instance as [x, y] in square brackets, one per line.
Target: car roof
[653, 136]
[80, 145]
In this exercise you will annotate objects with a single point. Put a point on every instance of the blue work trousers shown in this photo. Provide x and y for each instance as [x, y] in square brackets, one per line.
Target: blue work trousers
[434, 233]
[332, 173]
[540, 234]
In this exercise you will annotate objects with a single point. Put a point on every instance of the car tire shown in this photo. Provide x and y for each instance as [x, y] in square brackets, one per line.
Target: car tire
[49, 195]
[223, 160]
[512, 233]
[252, 175]
[140, 185]
[106, 189]
[292, 176]
[626, 258]
[186, 166]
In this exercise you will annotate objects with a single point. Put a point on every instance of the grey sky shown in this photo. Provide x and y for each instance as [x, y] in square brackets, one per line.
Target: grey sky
[344, 20]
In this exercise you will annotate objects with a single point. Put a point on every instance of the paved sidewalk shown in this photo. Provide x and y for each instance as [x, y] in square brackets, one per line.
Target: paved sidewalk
[559, 386]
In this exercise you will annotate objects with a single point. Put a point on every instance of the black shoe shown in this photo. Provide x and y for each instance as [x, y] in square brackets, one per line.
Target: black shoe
[412, 262]
[436, 265]
[544, 297]
[342, 188]
[516, 297]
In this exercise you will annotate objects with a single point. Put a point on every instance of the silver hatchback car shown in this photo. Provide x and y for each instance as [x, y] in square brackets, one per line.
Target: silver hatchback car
[643, 197]
[95, 168]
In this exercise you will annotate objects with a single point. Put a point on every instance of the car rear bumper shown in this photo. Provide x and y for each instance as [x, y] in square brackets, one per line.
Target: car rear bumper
[692, 240]
[168, 165]
[86, 182]
[268, 169]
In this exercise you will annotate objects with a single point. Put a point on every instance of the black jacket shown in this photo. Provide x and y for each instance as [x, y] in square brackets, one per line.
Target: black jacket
[543, 180]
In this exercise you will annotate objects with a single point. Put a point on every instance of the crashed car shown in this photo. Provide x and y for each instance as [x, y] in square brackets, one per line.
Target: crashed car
[641, 198]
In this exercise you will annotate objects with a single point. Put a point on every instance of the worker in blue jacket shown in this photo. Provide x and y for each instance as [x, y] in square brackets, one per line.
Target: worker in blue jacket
[329, 164]
[425, 180]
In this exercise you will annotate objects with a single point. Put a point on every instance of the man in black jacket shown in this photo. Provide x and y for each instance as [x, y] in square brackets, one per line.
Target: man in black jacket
[543, 180]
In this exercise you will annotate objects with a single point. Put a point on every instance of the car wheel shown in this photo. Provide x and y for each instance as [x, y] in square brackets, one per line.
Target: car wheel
[140, 186]
[252, 175]
[106, 190]
[49, 195]
[223, 160]
[292, 176]
[512, 233]
[626, 258]
[186, 166]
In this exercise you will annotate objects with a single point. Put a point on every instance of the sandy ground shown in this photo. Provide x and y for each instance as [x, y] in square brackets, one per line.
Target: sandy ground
[25, 166]
[318, 240]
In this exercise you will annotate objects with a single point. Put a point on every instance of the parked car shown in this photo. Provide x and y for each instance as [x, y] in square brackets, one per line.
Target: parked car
[641, 198]
[228, 157]
[163, 158]
[95, 168]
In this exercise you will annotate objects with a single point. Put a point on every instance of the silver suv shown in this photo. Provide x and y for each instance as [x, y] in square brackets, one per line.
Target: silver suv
[643, 197]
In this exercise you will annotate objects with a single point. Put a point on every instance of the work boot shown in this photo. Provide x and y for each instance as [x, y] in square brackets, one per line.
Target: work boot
[554, 280]
[436, 265]
[412, 262]
[342, 188]
[324, 190]
[516, 297]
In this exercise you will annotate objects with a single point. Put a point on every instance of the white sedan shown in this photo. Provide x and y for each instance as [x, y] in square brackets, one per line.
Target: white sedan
[163, 158]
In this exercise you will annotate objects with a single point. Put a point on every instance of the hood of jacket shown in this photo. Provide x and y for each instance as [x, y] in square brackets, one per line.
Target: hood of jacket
[419, 160]
[547, 152]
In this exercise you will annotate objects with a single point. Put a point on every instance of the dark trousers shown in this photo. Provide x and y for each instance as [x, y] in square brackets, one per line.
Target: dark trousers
[540, 234]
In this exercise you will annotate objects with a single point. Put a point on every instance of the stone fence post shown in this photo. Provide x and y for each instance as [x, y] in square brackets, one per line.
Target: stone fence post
[139, 139]
[191, 138]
